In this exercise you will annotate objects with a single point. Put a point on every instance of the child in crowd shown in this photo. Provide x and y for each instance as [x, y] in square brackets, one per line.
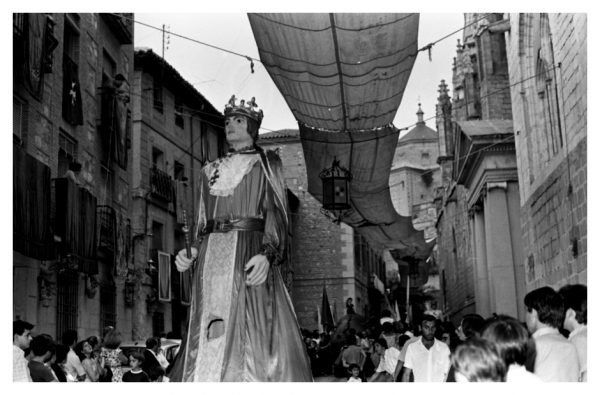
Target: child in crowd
[354, 370]
[136, 374]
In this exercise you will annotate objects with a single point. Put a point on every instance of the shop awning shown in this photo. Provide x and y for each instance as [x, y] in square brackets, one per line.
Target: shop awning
[343, 77]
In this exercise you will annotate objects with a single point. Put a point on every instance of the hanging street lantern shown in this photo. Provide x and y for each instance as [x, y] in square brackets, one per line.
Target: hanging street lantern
[336, 196]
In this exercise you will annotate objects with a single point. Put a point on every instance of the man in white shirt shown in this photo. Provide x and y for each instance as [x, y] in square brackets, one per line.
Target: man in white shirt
[21, 340]
[556, 358]
[73, 364]
[427, 358]
[575, 298]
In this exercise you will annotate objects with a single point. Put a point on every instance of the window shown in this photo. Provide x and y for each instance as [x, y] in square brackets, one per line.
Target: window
[157, 95]
[424, 158]
[71, 41]
[158, 158]
[157, 236]
[179, 171]
[109, 66]
[158, 324]
[546, 87]
[108, 185]
[19, 118]
[67, 152]
[67, 301]
[178, 112]
[108, 305]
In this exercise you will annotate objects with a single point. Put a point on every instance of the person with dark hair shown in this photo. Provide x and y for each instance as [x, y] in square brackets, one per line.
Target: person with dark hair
[575, 322]
[242, 318]
[427, 358]
[150, 364]
[93, 368]
[556, 358]
[73, 364]
[352, 353]
[21, 341]
[112, 355]
[513, 344]
[355, 374]
[387, 370]
[42, 348]
[136, 374]
[387, 333]
[60, 357]
[477, 360]
[470, 326]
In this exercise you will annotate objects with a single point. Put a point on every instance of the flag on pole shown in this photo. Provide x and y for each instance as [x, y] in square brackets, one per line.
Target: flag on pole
[408, 300]
[319, 326]
[396, 310]
[326, 316]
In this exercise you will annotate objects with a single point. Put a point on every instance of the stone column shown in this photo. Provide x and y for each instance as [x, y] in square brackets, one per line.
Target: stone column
[499, 250]
[480, 270]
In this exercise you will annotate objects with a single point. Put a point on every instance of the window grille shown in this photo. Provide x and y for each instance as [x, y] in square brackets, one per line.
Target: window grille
[67, 301]
[108, 305]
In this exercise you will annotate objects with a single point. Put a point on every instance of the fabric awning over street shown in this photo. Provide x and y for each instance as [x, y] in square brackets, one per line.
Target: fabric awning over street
[343, 77]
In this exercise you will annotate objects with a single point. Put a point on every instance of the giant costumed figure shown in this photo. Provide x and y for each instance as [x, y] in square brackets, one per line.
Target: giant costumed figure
[242, 324]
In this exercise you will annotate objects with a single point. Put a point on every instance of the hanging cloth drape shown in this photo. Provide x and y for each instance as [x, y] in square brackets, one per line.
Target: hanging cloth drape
[76, 223]
[32, 235]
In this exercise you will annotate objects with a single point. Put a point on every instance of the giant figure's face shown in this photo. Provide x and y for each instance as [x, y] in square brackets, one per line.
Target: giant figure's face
[236, 131]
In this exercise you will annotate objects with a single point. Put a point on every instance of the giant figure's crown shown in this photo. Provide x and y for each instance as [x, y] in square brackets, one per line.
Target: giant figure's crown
[249, 109]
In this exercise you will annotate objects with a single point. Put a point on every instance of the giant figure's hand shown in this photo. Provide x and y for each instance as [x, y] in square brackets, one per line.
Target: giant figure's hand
[259, 266]
[183, 262]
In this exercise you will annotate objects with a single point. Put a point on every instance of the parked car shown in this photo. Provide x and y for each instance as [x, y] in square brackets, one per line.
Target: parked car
[170, 347]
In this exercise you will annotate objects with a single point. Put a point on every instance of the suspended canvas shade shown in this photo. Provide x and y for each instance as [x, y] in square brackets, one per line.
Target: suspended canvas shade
[343, 77]
[339, 72]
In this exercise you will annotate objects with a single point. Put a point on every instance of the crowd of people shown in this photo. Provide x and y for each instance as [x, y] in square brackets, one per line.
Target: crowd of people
[551, 345]
[42, 359]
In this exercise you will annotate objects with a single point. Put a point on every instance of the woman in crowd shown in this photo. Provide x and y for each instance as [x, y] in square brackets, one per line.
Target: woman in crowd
[113, 356]
[93, 368]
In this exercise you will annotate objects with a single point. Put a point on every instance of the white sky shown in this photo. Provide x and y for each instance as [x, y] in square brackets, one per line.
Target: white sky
[217, 74]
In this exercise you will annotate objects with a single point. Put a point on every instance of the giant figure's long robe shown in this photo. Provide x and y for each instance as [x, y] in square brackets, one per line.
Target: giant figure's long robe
[261, 340]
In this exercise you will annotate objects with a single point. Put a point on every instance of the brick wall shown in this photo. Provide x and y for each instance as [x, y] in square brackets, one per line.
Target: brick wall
[554, 221]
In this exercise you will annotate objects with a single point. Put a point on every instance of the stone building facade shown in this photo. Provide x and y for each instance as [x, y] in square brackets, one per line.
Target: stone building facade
[415, 176]
[323, 254]
[547, 61]
[175, 132]
[479, 251]
[513, 157]
[70, 227]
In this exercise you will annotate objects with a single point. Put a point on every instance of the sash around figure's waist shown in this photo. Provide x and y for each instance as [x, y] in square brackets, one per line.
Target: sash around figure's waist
[227, 225]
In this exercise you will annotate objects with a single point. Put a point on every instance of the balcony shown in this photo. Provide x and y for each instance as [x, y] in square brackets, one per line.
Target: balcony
[161, 185]
[121, 25]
